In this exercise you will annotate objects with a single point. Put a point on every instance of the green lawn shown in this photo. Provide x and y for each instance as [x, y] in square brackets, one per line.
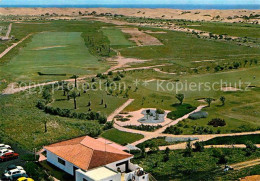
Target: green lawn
[120, 137]
[226, 140]
[239, 30]
[22, 123]
[182, 48]
[95, 97]
[116, 37]
[53, 53]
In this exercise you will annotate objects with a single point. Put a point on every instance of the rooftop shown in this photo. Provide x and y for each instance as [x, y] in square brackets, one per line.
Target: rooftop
[87, 153]
[95, 173]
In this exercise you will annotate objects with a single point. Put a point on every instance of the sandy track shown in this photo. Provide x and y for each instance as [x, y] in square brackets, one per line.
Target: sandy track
[118, 110]
[141, 38]
[14, 45]
[12, 88]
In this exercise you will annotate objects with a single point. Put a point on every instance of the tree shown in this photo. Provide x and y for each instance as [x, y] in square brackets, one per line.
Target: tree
[180, 97]
[74, 95]
[75, 78]
[209, 101]
[47, 95]
[222, 99]
[250, 148]
[199, 147]
[188, 149]
[45, 121]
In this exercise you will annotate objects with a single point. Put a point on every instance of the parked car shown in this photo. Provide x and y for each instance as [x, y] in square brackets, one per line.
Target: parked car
[24, 179]
[3, 146]
[4, 151]
[8, 156]
[14, 174]
[12, 167]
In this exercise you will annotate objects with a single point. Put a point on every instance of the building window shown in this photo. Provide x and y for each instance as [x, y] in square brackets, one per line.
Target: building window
[61, 161]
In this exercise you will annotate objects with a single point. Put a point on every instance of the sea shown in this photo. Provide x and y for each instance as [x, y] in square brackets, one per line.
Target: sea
[151, 6]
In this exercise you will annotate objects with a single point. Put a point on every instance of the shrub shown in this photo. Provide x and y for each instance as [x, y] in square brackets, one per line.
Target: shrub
[41, 104]
[30, 157]
[199, 146]
[173, 130]
[198, 115]
[160, 111]
[102, 119]
[217, 122]
[144, 127]
[108, 125]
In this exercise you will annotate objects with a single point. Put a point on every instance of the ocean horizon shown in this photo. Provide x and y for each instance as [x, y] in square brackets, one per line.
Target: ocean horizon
[150, 6]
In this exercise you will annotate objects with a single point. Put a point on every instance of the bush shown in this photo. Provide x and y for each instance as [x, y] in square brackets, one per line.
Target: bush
[69, 114]
[173, 130]
[160, 111]
[198, 115]
[217, 122]
[102, 119]
[41, 104]
[34, 171]
[144, 127]
[29, 157]
[108, 125]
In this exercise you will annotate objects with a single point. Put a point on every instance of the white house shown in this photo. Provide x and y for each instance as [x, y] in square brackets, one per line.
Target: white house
[90, 159]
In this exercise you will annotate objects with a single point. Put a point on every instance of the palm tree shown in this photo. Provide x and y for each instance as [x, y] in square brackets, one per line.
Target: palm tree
[75, 77]
[180, 97]
[74, 95]
[209, 100]
[222, 99]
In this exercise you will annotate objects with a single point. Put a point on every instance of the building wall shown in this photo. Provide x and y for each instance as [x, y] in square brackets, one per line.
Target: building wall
[53, 159]
[80, 176]
[122, 167]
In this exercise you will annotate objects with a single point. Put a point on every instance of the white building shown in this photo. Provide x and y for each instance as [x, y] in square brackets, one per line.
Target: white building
[90, 159]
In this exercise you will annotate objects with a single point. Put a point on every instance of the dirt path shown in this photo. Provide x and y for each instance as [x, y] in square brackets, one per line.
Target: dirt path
[118, 110]
[140, 68]
[8, 31]
[238, 166]
[12, 88]
[14, 45]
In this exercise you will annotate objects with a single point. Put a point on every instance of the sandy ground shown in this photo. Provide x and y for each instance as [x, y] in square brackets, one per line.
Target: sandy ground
[206, 15]
[136, 115]
[251, 178]
[14, 45]
[44, 48]
[229, 89]
[141, 38]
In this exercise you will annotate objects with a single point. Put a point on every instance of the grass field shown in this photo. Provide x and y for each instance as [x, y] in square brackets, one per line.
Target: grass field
[95, 97]
[120, 137]
[228, 140]
[238, 30]
[23, 124]
[53, 53]
[116, 37]
[183, 48]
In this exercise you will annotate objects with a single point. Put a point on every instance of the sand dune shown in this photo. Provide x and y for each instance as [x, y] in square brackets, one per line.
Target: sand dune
[206, 15]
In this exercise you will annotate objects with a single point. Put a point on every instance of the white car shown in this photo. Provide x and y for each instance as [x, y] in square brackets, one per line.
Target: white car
[4, 151]
[13, 173]
[12, 167]
[3, 146]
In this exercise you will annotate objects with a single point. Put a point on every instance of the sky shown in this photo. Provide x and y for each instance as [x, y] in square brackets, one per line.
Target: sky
[79, 2]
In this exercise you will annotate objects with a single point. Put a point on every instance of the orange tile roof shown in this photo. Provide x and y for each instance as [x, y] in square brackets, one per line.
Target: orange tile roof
[87, 153]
